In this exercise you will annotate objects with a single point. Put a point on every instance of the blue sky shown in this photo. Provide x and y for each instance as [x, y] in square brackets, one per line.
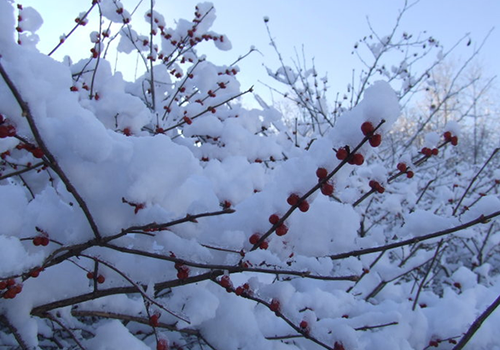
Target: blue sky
[328, 30]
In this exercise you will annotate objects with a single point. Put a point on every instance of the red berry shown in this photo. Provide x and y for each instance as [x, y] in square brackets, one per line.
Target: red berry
[342, 153]
[153, 320]
[254, 238]
[35, 273]
[183, 272]
[44, 241]
[273, 219]
[127, 132]
[435, 151]
[293, 199]
[187, 120]
[264, 245]
[225, 281]
[434, 343]
[367, 128]
[321, 173]
[73, 88]
[357, 159]
[338, 346]
[304, 324]
[447, 136]
[162, 345]
[37, 240]
[275, 305]
[10, 282]
[327, 189]
[454, 140]
[402, 167]
[90, 275]
[282, 230]
[410, 174]
[426, 151]
[3, 285]
[304, 206]
[375, 140]
[100, 279]
[457, 285]
[37, 152]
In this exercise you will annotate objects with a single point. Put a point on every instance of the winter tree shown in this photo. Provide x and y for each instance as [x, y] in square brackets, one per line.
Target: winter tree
[163, 214]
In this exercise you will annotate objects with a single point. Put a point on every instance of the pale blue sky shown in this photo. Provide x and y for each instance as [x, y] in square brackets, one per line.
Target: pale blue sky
[327, 28]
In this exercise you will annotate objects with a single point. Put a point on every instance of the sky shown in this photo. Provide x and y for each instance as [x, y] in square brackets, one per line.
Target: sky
[325, 29]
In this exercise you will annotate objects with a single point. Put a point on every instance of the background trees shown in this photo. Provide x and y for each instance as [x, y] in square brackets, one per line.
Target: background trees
[162, 213]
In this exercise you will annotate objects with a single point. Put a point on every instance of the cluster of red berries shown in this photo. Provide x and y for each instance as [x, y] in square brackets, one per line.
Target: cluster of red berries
[100, 279]
[34, 150]
[243, 289]
[368, 130]
[182, 271]
[282, 229]
[448, 137]
[294, 199]
[36, 272]
[9, 288]
[255, 238]
[426, 151]
[375, 185]
[6, 130]
[353, 159]
[41, 240]
[327, 187]
[402, 167]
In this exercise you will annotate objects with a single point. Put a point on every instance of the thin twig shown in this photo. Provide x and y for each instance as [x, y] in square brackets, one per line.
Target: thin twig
[477, 324]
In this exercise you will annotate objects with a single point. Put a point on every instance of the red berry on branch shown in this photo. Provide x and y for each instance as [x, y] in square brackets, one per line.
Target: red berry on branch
[357, 159]
[162, 345]
[154, 320]
[447, 136]
[342, 153]
[304, 206]
[281, 230]
[367, 128]
[454, 140]
[375, 140]
[327, 189]
[435, 151]
[100, 279]
[293, 199]
[321, 173]
[304, 324]
[264, 245]
[275, 305]
[273, 219]
[90, 275]
[187, 120]
[426, 151]
[402, 167]
[37, 241]
[338, 346]
[225, 281]
[410, 174]
[254, 238]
